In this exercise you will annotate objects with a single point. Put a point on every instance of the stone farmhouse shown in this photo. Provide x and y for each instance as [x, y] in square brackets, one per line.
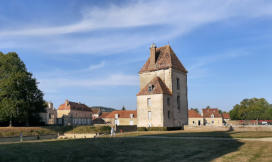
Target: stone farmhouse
[208, 117]
[120, 117]
[194, 118]
[72, 113]
[162, 100]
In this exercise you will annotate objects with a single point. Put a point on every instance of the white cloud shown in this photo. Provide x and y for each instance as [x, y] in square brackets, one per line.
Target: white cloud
[49, 85]
[169, 19]
[97, 66]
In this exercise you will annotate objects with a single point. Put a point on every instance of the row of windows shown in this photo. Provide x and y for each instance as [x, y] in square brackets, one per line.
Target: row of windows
[149, 115]
[168, 102]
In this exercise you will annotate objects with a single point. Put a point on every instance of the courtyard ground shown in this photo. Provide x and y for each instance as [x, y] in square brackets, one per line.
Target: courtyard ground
[141, 146]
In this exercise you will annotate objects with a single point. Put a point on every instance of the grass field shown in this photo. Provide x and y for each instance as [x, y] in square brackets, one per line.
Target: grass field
[181, 133]
[140, 149]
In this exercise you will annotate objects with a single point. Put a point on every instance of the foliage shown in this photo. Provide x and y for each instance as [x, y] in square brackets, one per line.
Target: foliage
[123, 108]
[252, 109]
[26, 131]
[20, 98]
[195, 109]
[152, 129]
[90, 129]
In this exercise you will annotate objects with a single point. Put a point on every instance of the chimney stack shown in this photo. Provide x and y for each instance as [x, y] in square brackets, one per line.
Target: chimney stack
[152, 63]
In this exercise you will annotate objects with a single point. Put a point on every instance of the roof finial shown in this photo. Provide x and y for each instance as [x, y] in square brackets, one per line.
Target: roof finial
[153, 45]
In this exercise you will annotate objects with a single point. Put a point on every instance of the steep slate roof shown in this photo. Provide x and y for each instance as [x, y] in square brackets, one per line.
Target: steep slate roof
[159, 87]
[68, 105]
[207, 113]
[166, 59]
[226, 115]
[121, 114]
[193, 114]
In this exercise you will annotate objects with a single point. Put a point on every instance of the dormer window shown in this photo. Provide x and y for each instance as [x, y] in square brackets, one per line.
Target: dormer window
[131, 116]
[116, 116]
[150, 88]
[212, 116]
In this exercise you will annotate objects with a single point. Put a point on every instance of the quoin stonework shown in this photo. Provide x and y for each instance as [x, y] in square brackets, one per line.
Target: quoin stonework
[162, 100]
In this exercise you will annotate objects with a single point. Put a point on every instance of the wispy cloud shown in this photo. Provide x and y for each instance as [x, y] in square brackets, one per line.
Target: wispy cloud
[199, 68]
[171, 19]
[50, 85]
[97, 66]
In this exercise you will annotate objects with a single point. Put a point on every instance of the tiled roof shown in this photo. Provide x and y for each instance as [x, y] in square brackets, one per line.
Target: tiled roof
[158, 88]
[105, 114]
[208, 112]
[68, 105]
[121, 114]
[166, 58]
[95, 111]
[193, 114]
[226, 115]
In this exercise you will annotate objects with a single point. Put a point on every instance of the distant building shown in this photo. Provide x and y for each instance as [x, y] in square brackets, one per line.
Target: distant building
[162, 100]
[194, 118]
[120, 117]
[72, 113]
[212, 117]
[96, 113]
[226, 117]
[49, 117]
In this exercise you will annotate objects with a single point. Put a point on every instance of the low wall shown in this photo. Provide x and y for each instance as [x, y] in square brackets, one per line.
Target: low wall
[229, 128]
[68, 135]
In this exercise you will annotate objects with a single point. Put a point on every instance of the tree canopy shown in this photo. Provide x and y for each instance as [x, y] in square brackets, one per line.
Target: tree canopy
[252, 109]
[20, 98]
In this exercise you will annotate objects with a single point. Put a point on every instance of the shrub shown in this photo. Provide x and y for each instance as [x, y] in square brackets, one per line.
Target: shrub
[141, 129]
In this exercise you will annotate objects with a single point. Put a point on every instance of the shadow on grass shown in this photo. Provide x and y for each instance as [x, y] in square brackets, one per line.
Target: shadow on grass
[122, 149]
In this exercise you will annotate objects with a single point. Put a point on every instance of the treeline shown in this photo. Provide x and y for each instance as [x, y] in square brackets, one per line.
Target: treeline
[252, 109]
[20, 98]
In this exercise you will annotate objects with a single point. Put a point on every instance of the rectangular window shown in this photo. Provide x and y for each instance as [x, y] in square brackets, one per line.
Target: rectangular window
[149, 115]
[168, 101]
[131, 122]
[148, 101]
[178, 84]
[116, 116]
[178, 101]
[168, 114]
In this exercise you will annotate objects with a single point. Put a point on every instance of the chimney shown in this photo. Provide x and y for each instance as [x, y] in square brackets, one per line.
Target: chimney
[66, 102]
[153, 56]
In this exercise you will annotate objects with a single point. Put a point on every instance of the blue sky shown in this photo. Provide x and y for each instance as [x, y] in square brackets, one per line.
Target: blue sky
[91, 51]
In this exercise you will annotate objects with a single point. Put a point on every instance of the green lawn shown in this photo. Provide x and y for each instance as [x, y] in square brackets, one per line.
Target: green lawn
[140, 149]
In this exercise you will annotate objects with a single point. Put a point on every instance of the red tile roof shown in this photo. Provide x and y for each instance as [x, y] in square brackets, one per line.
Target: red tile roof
[68, 105]
[193, 114]
[226, 115]
[208, 112]
[166, 58]
[121, 114]
[105, 115]
[159, 88]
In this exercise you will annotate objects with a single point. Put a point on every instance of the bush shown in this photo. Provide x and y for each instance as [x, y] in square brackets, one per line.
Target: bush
[141, 129]
[152, 129]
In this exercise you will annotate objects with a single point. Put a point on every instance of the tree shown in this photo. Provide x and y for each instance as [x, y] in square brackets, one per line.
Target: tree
[20, 98]
[195, 109]
[252, 109]
[123, 108]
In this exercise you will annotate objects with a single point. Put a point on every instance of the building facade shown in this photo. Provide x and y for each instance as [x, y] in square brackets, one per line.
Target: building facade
[162, 100]
[194, 118]
[49, 117]
[72, 113]
[120, 117]
[212, 117]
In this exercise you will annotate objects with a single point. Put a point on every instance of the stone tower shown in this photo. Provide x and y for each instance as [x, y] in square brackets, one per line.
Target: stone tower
[162, 100]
